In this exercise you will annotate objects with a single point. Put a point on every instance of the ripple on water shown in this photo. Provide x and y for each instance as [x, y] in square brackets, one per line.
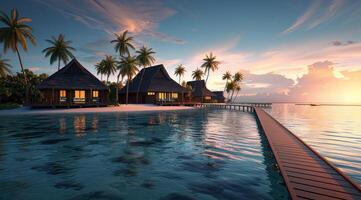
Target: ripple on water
[198, 154]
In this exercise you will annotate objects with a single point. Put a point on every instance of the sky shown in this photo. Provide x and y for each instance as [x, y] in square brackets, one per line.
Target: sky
[288, 50]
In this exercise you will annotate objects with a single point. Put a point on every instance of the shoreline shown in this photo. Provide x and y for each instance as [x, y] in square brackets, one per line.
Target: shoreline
[130, 108]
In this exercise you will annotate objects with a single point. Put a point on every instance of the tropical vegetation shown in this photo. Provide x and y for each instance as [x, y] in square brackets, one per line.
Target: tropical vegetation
[15, 33]
[210, 63]
[197, 74]
[234, 85]
[145, 59]
[60, 50]
[109, 66]
[129, 67]
[123, 44]
[4, 68]
[179, 71]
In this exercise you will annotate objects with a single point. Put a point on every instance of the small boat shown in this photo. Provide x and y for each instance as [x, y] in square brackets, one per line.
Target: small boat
[312, 104]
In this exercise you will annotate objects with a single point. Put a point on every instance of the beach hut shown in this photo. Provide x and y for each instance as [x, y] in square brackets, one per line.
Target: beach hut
[200, 90]
[156, 87]
[218, 96]
[72, 86]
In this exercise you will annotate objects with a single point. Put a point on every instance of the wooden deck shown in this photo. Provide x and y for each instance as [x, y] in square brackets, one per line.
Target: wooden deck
[307, 174]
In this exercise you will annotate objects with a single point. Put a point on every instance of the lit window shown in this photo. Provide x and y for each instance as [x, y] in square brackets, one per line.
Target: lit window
[174, 95]
[95, 94]
[151, 93]
[79, 96]
[207, 97]
[161, 96]
[62, 93]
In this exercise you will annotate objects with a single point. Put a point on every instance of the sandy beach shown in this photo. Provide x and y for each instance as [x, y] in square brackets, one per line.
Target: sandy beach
[121, 108]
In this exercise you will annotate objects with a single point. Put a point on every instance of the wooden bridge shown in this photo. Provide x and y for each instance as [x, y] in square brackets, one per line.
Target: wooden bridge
[306, 173]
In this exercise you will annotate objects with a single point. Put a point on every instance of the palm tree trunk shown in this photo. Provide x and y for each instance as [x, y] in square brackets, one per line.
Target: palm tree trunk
[232, 95]
[141, 79]
[58, 64]
[234, 100]
[126, 99]
[117, 90]
[207, 76]
[179, 80]
[108, 78]
[25, 77]
[101, 76]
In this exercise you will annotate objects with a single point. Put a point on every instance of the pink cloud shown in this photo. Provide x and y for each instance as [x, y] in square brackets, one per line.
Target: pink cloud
[316, 14]
[138, 17]
[319, 84]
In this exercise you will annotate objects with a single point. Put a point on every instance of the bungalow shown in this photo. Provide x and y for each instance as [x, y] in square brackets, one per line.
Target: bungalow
[199, 91]
[219, 96]
[156, 86]
[72, 86]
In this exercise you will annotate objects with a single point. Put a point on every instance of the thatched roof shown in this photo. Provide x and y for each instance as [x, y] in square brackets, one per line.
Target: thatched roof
[155, 79]
[72, 76]
[199, 89]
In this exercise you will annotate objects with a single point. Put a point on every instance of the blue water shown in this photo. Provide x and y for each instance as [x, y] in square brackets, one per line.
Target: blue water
[333, 131]
[199, 154]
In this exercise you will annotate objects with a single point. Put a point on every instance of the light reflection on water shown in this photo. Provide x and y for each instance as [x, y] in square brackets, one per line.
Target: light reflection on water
[334, 131]
[198, 154]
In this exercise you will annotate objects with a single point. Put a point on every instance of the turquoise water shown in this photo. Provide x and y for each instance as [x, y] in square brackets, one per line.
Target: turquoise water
[186, 155]
[334, 131]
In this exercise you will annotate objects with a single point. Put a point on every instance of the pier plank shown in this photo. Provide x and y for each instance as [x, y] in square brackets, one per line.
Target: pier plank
[306, 173]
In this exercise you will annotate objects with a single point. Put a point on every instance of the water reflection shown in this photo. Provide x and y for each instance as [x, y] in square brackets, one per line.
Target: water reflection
[79, 125]
[201, 154]
[334, 131]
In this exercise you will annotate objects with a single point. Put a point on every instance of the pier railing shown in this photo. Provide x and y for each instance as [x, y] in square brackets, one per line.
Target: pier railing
[245, 107]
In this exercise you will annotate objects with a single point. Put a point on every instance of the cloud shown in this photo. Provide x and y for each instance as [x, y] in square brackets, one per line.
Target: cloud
[340, 43]
[320, 11]
[138, 17]
[265, 83]
[319, 84]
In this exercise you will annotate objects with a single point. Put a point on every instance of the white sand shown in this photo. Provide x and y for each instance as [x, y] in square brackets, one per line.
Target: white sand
[121, 108]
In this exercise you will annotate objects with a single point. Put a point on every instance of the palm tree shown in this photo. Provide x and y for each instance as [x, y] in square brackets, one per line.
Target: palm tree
[60, 50]
[179, 71]
[210, 63]
[238, 77]
[14, 33]
[4, 67]
[230, 87]
[145, 59]
[99, 67]
[110, 66]
[197, 74]
[122, 74]
[123, 43]
[129, 67]
[226, 76]
[238, 88]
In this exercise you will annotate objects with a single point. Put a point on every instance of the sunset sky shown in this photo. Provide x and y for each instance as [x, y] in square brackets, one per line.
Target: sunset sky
[288, 50]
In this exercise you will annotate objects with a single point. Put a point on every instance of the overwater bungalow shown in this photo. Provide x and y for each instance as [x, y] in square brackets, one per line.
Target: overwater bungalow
[219, 96]
[156, 87]
[72, 86]
[199, 91]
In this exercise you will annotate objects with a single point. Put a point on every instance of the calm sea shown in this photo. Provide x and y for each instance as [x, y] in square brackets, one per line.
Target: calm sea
[334, 131]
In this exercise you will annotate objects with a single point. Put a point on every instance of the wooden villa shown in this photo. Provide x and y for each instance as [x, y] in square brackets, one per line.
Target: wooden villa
[219, 96]
[156, 87]
[199, 91]
[72, 86]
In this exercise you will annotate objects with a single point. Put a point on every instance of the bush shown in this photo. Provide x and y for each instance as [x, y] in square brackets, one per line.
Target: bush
[12, 87]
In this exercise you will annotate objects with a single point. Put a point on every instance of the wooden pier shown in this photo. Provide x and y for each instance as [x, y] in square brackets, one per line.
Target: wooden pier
[248, 107]
[306, 173]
